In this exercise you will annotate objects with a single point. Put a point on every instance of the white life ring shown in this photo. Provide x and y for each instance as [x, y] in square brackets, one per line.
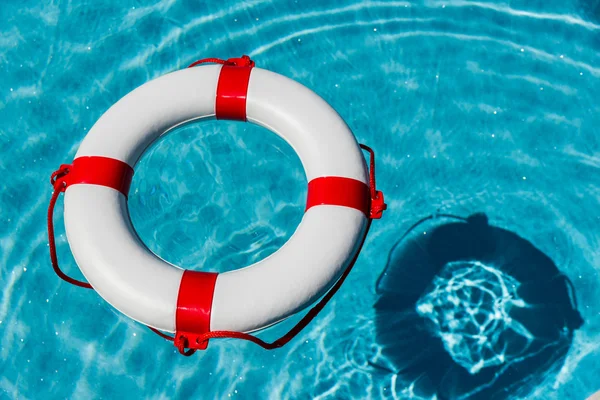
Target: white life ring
[150, 290]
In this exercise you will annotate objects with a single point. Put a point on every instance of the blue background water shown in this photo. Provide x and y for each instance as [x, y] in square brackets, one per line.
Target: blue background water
[471, 106]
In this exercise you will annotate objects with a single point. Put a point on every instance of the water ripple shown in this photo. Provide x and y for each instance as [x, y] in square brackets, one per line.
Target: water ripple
[176, 33]
[566, 19]
[540, 54]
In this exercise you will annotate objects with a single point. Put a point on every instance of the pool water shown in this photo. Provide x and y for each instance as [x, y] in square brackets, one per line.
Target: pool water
[473, 108]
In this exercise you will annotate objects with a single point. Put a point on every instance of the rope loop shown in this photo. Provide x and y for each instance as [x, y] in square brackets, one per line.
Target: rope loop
[182, 342]
[378, 205]
[57, 179]
[243, 61]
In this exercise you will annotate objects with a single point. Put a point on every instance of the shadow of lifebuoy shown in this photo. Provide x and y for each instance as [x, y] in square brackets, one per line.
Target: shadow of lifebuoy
[468, 310]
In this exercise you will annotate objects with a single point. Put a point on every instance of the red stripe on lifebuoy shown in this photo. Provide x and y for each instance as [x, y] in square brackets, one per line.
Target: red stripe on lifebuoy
[231, 92]
[194, 304]
[339, 191]
[103, 171]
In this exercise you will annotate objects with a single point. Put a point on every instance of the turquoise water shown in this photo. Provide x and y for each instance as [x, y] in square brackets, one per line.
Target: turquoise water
[472, 107]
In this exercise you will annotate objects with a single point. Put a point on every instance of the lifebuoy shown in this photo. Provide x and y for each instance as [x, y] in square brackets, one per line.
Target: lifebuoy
[163, 296]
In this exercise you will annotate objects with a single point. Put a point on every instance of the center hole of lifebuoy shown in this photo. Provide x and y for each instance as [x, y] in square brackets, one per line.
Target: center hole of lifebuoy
[218, 195]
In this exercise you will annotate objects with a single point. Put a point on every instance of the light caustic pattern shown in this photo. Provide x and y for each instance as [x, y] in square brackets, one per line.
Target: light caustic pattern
[470, 305]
